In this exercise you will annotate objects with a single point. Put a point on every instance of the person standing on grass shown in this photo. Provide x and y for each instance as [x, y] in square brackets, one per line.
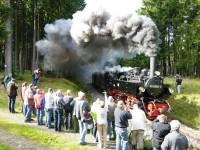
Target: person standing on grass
[23, 89]
[122, 115]
[36, 76]
[49, 102]
[58, 110]
[94, 116]
[69, 104]
[161, 128]
[39, 105]
[178, 83]
[175, 140]
[101, 111]
[138, 125]
[12, 93]
[28, 103]
[111, 119]
[81, 107]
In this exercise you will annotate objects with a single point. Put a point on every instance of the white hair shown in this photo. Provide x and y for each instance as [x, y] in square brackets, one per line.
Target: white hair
[161, 118]
[175, 125]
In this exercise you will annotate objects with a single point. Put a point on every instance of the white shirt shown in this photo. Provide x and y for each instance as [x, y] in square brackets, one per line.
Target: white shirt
[101, 114]
[49, 100]
[28, 94]
[138, 119]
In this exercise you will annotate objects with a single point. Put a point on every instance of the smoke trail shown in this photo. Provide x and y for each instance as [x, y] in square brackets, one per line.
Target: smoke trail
[96, 35]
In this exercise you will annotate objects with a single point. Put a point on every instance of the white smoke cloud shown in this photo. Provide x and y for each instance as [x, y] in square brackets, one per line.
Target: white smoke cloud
[102, 31]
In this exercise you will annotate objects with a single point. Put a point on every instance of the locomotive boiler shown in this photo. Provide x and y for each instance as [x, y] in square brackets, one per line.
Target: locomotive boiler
[130, 84]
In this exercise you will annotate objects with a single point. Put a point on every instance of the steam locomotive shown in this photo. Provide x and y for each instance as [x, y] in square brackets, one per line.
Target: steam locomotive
[135, 84]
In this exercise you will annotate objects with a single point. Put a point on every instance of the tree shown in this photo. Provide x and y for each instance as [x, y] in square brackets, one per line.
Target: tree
[8, 49]
[24, 27]
[176, 22]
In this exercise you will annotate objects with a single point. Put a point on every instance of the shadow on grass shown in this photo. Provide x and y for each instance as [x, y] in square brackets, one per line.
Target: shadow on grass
[187, 110]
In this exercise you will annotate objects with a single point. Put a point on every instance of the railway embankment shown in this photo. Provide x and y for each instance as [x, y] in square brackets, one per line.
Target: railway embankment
[193, 137]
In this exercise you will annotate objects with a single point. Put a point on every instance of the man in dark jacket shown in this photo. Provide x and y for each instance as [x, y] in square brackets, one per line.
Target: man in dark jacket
[69, 105]
[121, 123]
[12, 93]
[160, 128]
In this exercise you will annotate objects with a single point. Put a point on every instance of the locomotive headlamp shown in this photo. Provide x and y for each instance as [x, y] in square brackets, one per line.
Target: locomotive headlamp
[141, 89]
[118, 84]
[157, 73]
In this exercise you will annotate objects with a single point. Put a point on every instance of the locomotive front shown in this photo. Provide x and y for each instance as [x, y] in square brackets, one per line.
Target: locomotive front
[135, 83]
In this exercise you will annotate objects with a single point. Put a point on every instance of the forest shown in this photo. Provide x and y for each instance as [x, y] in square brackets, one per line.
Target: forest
[22, 24]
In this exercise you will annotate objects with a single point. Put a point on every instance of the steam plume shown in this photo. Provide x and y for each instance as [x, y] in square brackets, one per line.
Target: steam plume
[97, 34]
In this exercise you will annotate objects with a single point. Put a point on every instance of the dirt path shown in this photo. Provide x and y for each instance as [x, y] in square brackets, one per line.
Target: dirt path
[19, 119]
[25, 144]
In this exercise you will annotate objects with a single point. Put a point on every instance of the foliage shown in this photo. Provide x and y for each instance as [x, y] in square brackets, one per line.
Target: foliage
[5, 147]
[178, 23]
[138, 61]
[29, 18]
[186, 106]
[4, 11]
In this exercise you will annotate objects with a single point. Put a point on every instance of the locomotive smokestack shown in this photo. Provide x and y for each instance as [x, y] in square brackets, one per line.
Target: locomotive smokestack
[152, 66]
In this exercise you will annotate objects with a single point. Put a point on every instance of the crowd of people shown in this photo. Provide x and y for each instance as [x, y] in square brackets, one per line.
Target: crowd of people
[107, 119]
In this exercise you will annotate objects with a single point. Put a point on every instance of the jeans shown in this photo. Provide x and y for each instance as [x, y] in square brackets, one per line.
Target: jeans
[49, 114]
[178, 89]
[109, 128]
[121, 138]
[58, 119]
[25, 108]
[68, 120]
[82, 130]
[39, 113]
[11, 104]
[28, 112]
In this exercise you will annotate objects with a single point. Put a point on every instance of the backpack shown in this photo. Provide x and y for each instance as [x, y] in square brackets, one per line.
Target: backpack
[61, 104]
[68, 105]
[42, 102]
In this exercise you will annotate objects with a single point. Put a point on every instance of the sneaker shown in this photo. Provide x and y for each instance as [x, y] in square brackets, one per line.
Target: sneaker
[83, 143]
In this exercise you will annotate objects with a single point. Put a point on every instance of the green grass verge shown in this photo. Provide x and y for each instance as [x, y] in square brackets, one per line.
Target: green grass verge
[5, 147]
[51, 140]
[186, 106]
[44, 84]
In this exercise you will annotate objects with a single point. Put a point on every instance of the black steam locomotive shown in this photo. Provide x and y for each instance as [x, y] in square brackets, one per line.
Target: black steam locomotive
[135, 84]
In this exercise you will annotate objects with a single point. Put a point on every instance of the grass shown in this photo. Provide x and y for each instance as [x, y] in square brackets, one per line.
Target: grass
[51, 140]
[5, 147]
[44, 84]
[186, 106]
